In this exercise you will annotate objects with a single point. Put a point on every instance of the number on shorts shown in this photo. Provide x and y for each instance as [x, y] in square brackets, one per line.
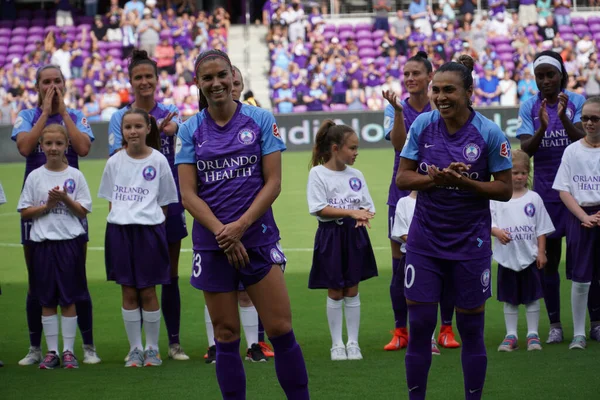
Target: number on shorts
[410, 268]
[197, 268]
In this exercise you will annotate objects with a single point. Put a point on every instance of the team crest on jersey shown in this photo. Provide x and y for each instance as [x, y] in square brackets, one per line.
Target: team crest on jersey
[387, 122]
[276, 256]
[149, 173]
[111, 139]
[18, 122]
[178, 145]
[159, 121]
[84, 122]
[485, 278]
[569, 113]
[529, 209]
[69, 186]
[355, 184]
[505, 150]
[471, 152]
[246, 136]
[276, 132]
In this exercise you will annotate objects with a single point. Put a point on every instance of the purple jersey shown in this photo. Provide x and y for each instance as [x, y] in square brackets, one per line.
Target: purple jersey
[450, 223]
[228, 160]
[410, 114]
[547, 157]
[28, 118]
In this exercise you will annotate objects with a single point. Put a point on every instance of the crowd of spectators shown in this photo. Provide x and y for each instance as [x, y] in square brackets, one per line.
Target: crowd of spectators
[316, 65]
[92, 51]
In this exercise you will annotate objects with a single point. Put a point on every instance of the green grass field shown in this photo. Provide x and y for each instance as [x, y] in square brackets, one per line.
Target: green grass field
[554, 373]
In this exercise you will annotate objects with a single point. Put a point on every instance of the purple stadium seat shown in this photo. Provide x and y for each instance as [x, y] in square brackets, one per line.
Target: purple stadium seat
[338, 107]
[30, 47]
[363, 35]
[165, 34]
[36, 30]
[378, 34]
[18, 55]
[531, 38]
[115, 45]
[19, 31]
[594, 19]
[503, 40]
[16, 48]
[345, 35]
[85, 54]
[505, 57]
[115, 53]
[51, 28]
[84, 20]
[329, 35]
[367, 52]
[2, 59]
[569, 37]
[504, 48]
[18, 40]
[31, 39]
[509, 65]
[565, 28]
[103, 52]
[377, 42]
[23, 22]
[69, 29]
[597, 36]
[578, 21]
[81, 27]
[5, 32]
[595, 28]
[6, 24]
[580, 30]
[78, 82]
[531, 28]
[365, 43]
[478, 68]
[102, 45]
[299, 109]
[363, 26]
[330, 28]
[345, 27]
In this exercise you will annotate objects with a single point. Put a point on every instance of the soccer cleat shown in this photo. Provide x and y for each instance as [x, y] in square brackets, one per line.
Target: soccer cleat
[353, 351]
[89, 355]
[177, 353]
[509, 344]
[578, 343]
[533, 342]
[211, 355]
[595, 333]
[255, 354]
[135, 358]
[69, 361]
[34, 356]
[51, 361]
[435, 351]
[399, 340]
[338, 353]
[446, 338]
[555, 335]
[152, 358]
[266, 349]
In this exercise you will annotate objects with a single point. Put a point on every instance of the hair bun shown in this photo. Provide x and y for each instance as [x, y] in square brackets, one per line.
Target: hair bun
[139, 55]
[422, 54]
[467, 61]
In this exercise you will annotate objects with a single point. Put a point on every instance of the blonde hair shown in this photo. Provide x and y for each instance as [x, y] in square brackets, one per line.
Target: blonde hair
[60, 129]
[522, 158]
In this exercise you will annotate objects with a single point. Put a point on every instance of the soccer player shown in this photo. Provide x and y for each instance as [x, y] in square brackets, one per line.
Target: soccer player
[27, 130]
[139, 185]
[229, 159]
[2, 201]
[56, 198]
[143, 75]
[339, 197]
[450, 156]
[520, 227]
[398, 119]
[577, 182]
[550, 121]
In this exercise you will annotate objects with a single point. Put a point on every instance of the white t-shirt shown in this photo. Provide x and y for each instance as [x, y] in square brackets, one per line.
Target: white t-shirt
[63, 60]
[2, 195]
[524, 219]
[60, 223]
[508, 98]
[405, 209]
[579, 174]
[345, 189]
[137, 188]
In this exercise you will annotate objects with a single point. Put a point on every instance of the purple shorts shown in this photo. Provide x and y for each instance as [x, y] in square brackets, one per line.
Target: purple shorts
[212, 272]
[583, 249]
[391, 218]
[468, 282]
[137, 255]
[343, 256]
[521, 287]
[176, 227]
[58, 272]
[398, 273]
[26, 231]
[559, 214]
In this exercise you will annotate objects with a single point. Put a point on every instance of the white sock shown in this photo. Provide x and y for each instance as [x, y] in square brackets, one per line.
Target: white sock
[152, 328]
[68, 325]
[210, 330]
[533, 317]
[511, 318]
[50, 325]
[335, 316]
[133, 327]
[579, 298]
[352, 312]
[249, 319]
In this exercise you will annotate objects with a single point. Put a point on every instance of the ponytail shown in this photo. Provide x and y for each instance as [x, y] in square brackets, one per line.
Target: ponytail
[328, 134]
[153, 138]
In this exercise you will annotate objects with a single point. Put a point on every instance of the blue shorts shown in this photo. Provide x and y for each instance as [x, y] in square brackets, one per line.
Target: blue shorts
[176, 227]
[26, 225]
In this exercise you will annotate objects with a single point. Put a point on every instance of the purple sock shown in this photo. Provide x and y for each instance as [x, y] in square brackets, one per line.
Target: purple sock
[397, 294]
[230, 371]
[261, 331]
[170, 302]
[290, 367]
[594, 301]
[84, 321]
[552, 296]
[422, 319]
[447, 309]
[473, 355]
[34, 320]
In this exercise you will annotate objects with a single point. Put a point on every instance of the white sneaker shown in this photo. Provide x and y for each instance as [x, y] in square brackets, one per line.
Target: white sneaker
[89, 355]
[34, 356]
[177, 353]
[353, 351]
[338, 353]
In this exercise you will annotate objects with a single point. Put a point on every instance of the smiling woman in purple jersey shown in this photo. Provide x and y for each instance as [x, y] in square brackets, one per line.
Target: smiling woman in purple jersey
[27, 130]
[450, 157]
[229, 160]
[143, 74]
[550, 121]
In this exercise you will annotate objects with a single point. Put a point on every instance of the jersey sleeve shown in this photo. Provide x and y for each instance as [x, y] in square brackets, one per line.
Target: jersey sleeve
[115, 137]
[26, 199]
[388, 120]
[525, 119]
[82, 193]
[2, 195]
[543, 223]
[167, 191]
[401, 222]
[184, 146]
[82, 124]
[23, 123]
[499, 155]
[494, 213]
[562, 181]
[270, 138]
[577, 101]
[411, 147]
[107, 181]
[316, 193]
